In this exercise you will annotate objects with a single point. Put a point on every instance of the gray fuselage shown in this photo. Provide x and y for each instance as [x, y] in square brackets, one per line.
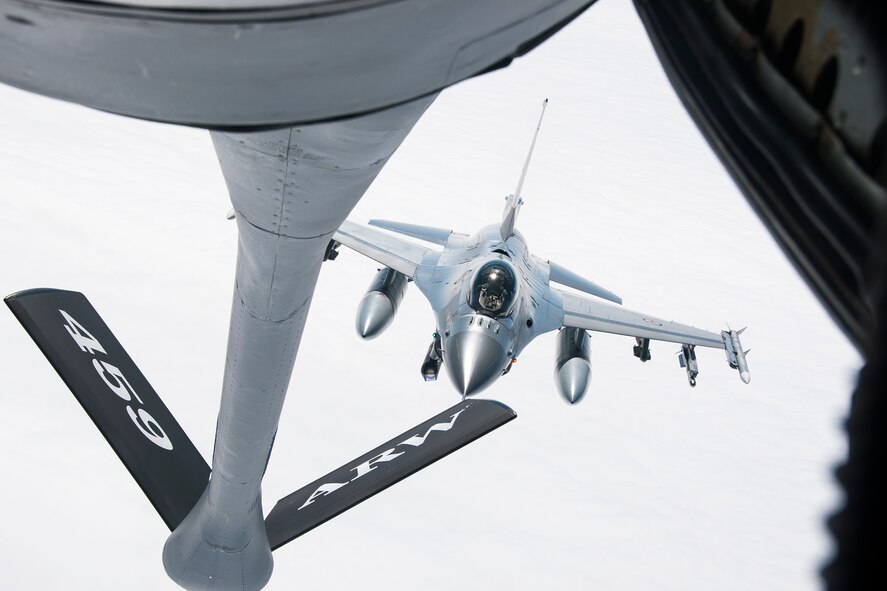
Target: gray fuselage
[479, 345]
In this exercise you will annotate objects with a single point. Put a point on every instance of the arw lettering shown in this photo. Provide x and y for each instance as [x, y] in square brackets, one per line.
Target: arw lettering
[386, 456]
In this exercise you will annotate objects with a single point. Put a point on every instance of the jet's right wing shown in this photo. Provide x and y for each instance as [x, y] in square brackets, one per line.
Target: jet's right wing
[400, 255]
[586, 313]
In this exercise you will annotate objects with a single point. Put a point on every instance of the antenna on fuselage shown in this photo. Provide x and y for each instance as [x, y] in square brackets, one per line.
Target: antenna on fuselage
[509, 216]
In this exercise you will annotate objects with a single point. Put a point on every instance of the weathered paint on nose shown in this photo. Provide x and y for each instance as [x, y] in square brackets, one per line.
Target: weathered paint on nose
[474, 360]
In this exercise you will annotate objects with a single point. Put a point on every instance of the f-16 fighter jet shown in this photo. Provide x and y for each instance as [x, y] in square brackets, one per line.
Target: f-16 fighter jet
[491, 297]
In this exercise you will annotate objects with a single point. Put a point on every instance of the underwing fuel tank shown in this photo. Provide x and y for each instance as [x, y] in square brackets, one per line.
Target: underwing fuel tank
[572, 366]
[378, 307]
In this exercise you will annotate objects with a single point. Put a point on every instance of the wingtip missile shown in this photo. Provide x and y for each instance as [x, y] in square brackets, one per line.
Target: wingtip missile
[736, 354]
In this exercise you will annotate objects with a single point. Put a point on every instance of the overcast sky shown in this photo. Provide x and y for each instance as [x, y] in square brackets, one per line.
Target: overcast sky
[646, 484]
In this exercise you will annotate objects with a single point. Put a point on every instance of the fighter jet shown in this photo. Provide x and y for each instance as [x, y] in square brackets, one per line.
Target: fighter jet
[491, 297]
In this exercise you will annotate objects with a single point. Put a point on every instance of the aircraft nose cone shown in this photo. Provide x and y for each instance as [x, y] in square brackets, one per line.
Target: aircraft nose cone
[474, 361]
[374, 314]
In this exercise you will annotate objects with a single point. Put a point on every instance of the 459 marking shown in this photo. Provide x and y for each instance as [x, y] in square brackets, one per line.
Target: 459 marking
[118, 384]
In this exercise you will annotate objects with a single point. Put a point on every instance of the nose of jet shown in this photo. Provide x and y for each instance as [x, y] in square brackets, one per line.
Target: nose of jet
[474, 361]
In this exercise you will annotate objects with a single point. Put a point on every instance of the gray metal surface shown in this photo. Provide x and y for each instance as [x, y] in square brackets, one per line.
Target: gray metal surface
[403, 257]
[263, 67]
[584, 313]
[377, 308]
[478, 346]
[438, 236]
[233, 4]
[566, 277]
[572, 364]
[491, 297]
[291, 189]
[476, 356]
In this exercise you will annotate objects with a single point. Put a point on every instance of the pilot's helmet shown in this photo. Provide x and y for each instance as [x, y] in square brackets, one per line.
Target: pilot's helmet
[493, 289]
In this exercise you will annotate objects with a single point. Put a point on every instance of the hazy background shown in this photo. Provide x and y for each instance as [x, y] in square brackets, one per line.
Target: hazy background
[648, 484]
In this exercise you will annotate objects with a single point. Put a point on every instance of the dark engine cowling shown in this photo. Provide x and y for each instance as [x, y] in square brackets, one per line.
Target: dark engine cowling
[572, 366]
[377, 308]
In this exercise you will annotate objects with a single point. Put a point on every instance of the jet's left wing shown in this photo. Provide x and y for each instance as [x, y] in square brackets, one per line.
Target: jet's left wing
[400, 255]
[585, 313]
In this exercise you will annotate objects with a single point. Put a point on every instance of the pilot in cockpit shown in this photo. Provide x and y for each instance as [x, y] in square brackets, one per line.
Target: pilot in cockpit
[494, 288]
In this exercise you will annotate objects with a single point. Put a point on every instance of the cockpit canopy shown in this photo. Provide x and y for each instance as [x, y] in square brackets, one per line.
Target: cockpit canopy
[493, 289]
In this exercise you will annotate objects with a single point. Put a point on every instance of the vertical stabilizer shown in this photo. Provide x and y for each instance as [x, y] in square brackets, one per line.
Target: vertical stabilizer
[513, 202]
[509, 216]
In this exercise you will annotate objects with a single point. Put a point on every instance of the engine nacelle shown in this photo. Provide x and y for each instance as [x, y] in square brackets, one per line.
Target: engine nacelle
[572, 366]
[378, 307]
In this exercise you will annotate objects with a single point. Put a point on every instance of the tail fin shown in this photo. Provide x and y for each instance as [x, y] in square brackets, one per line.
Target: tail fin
[116, 396]
[509, 216]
